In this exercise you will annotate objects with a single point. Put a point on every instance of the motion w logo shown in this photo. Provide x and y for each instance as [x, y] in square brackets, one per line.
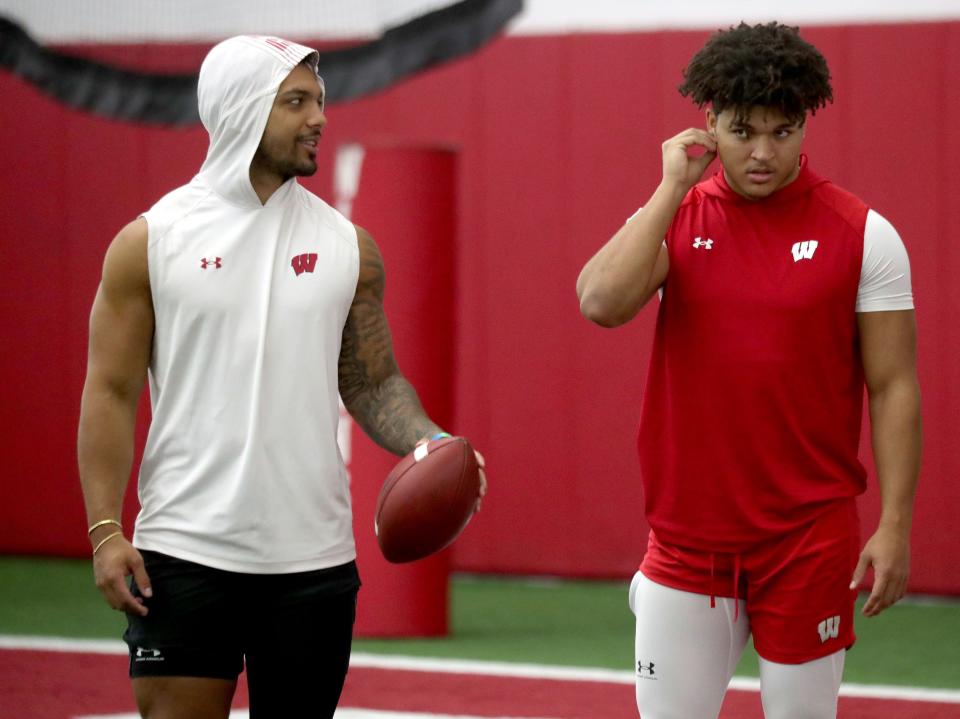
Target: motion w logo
[304, 263]
[829, 628]
[804, 250]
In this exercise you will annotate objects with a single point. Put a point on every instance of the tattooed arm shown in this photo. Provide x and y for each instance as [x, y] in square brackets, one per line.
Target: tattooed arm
[378, 397]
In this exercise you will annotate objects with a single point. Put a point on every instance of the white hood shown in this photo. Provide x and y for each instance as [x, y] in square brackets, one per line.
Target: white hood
[238, 82]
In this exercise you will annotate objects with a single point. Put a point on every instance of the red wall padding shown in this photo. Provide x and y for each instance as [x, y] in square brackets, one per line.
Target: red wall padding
[559, 141]
[407, 194]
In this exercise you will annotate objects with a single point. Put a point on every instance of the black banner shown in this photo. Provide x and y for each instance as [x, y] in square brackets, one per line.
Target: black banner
[348, 73]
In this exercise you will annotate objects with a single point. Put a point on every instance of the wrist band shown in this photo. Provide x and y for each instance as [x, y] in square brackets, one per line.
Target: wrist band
[440, 435]
[101, 523]
[105, 540]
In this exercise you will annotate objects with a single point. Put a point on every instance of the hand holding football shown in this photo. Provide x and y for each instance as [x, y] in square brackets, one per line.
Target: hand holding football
[427, 499]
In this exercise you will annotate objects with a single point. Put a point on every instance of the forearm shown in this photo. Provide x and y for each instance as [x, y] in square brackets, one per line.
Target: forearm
[897, 440]
[615, 282]
[105, 451]
[391, 414]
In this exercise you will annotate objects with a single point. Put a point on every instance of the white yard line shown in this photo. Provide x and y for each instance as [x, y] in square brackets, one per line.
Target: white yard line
[485, 668]
[340, 714]
[58, 644]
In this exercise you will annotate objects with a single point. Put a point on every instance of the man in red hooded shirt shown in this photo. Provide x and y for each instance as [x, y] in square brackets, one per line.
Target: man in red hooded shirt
[782, 296]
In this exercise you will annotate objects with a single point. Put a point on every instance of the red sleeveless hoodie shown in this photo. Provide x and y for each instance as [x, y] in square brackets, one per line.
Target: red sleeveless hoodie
[751, 416]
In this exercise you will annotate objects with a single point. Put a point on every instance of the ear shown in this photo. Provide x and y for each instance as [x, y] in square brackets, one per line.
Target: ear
[712, 122]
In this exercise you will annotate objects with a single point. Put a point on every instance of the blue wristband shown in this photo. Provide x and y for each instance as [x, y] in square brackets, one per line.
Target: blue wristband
[440, 435]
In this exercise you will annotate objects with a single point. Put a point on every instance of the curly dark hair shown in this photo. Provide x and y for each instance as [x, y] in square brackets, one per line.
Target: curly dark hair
[768, 65]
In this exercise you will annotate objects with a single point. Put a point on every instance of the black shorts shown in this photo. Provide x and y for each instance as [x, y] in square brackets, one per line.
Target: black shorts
[289, 629]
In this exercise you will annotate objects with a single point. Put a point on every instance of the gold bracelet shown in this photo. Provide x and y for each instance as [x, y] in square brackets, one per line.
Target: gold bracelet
[105, 540]
[101, 523]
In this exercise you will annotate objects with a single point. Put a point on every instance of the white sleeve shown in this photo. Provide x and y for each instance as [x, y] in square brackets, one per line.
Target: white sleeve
[885, 272]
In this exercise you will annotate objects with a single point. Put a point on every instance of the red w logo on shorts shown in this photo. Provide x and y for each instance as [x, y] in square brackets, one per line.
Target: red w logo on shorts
[304, 263]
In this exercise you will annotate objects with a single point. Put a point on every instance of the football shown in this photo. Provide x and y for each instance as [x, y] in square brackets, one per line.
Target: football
[427, 499]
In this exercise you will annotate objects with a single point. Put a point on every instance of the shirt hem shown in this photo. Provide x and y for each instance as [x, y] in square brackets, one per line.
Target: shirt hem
[324, 561]
[885, 306]
[744, 542]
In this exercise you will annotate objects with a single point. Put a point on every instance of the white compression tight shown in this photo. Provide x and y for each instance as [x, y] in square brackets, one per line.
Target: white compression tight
[686, 653]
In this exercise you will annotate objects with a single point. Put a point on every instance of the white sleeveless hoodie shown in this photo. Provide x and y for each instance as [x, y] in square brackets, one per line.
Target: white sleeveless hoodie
[241, 469]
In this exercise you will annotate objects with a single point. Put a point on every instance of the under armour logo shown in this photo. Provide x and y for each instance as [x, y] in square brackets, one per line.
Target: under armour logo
[216, 263]
[285, 50]
[804, 250]
[829, 629]
[304, 263]
[698, 243]
[148, 655]
[641, 668]
[277, 43]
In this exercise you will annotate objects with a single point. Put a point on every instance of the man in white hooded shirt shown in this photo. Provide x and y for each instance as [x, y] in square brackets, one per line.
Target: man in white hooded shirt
[248, 303]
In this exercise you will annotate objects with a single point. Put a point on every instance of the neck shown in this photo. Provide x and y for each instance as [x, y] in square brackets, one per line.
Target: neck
[265, 183]
[738, 190]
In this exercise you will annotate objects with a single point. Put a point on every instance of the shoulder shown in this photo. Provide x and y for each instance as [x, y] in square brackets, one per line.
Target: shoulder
[372, 272]
[125, 266]
[879, 225]
[130, 242]
[844, 204]
[695, 195]
[885, 283]
[692, 207]
[882, 242]
[174, 206]
[327, 215]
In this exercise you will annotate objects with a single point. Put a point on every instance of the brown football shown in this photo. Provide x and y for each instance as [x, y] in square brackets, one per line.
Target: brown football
[427, 499]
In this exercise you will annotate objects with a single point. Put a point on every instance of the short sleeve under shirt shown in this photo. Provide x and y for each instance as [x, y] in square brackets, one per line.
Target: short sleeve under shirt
[885, 272]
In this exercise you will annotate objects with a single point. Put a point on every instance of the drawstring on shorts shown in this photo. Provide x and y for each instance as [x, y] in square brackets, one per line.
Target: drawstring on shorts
[736, 587]
[736, 584]
[713, 594]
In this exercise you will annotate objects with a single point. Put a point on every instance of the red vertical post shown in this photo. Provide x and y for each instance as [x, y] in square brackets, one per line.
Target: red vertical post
[405, 198]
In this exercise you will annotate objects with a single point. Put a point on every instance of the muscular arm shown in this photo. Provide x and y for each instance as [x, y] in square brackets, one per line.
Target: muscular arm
[121, 335]
[888, 347]
[622, 276]
[620, 279]
[378, 397]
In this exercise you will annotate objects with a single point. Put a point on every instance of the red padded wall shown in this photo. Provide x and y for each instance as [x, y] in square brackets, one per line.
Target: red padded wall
[559, 141]
[406, 200]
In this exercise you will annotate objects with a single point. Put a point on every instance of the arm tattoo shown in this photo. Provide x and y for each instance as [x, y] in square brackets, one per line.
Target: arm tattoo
[378, 397]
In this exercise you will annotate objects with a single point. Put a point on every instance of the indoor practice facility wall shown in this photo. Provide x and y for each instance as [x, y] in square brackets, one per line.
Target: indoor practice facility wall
[558, 141]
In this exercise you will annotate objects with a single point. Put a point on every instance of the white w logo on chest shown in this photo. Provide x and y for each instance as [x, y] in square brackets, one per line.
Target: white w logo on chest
[804, 250]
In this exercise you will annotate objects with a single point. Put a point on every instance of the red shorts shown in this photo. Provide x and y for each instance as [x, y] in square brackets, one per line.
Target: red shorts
[796, 587]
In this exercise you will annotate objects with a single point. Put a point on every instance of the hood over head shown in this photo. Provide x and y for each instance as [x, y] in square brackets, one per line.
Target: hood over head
[238, 82]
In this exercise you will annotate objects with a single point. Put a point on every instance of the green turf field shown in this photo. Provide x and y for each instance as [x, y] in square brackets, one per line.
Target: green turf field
[576, 623]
